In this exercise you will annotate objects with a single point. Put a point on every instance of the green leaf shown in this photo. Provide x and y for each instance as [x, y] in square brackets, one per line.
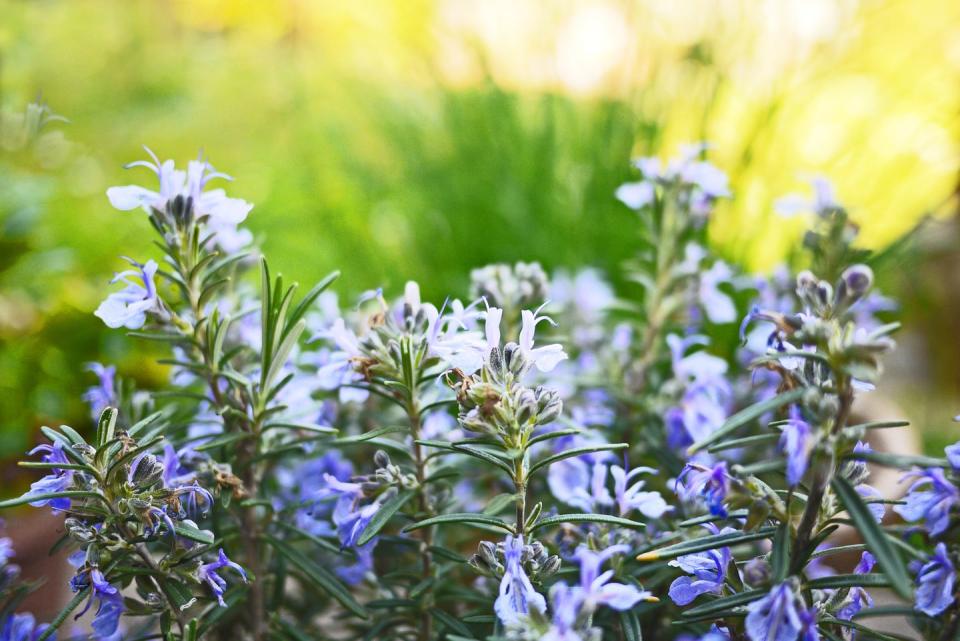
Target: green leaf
[780, 553]
[451, 623]
[194, 533]
[499, 503]
[901, 461]
[724, 603]
[711, 542]
[630, 626]
[462, 517]
[143, 423]
[887, 557]
[319, 429]
[67, 494]
[747, 441]
[849, 581]
[577, 451]
[546, 436]
[318, 575]
[311, 296]
[383, 515]
[106, 426]
[366, 436]
[710, 518]
[868, 632]
[74, 435]
[587, 518]
[484, 455]
[878, 425]
[747, 415]
[222, 440]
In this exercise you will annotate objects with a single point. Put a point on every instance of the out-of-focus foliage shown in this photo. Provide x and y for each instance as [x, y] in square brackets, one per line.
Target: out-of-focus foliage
[385, 138]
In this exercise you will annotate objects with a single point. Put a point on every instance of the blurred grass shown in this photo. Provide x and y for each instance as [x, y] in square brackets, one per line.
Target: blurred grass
[419, 139]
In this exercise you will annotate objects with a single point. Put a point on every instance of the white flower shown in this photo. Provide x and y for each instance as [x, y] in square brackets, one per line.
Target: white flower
[544, 358]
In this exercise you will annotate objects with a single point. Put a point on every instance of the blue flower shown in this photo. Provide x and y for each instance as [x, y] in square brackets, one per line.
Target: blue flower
[208, 573]
[857, 598]
[823, 200]
[797, 443]
[517, 596]
[355, 572]
[708, 570]
[58, 480]
[22, 627]
[103, 394]
[931, 498]
[935, 581]
[775, 617]
[712, 484]
[129, 307]
[195, 501]
[636, 195]
[575, 482]
[349, 516]
[109, 601]
[566, 602]
[222, 213]
[596, 586]
[953, 455]
[717, 304]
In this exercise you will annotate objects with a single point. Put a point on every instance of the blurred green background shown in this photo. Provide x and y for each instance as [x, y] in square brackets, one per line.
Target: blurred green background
[418, 139]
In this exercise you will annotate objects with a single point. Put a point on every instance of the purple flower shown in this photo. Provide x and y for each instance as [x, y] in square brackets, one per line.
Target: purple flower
[650, 504]
[129, 307]
[823, 199]
[872, 498]
[775, 617]
[58, 480]
[103, 394]
[338, 371]
[703, 409]
[596, 585]
[935, 581]
[857, 598]
[930, 498]
[796, 441]
[566, 602]
[517, 596]
[22, 627]
[208, 572]
[712, 484]
[708, 570]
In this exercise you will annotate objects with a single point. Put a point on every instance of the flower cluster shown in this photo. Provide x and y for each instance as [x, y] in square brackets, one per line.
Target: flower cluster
[618, 466]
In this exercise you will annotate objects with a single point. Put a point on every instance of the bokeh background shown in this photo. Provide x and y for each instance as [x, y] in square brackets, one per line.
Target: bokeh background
[417, 139]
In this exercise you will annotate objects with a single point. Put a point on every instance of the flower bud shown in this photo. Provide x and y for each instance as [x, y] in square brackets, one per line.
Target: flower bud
[381, 459]
[146, 472]
[854, 284]
[550, 567]
[756, 572]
